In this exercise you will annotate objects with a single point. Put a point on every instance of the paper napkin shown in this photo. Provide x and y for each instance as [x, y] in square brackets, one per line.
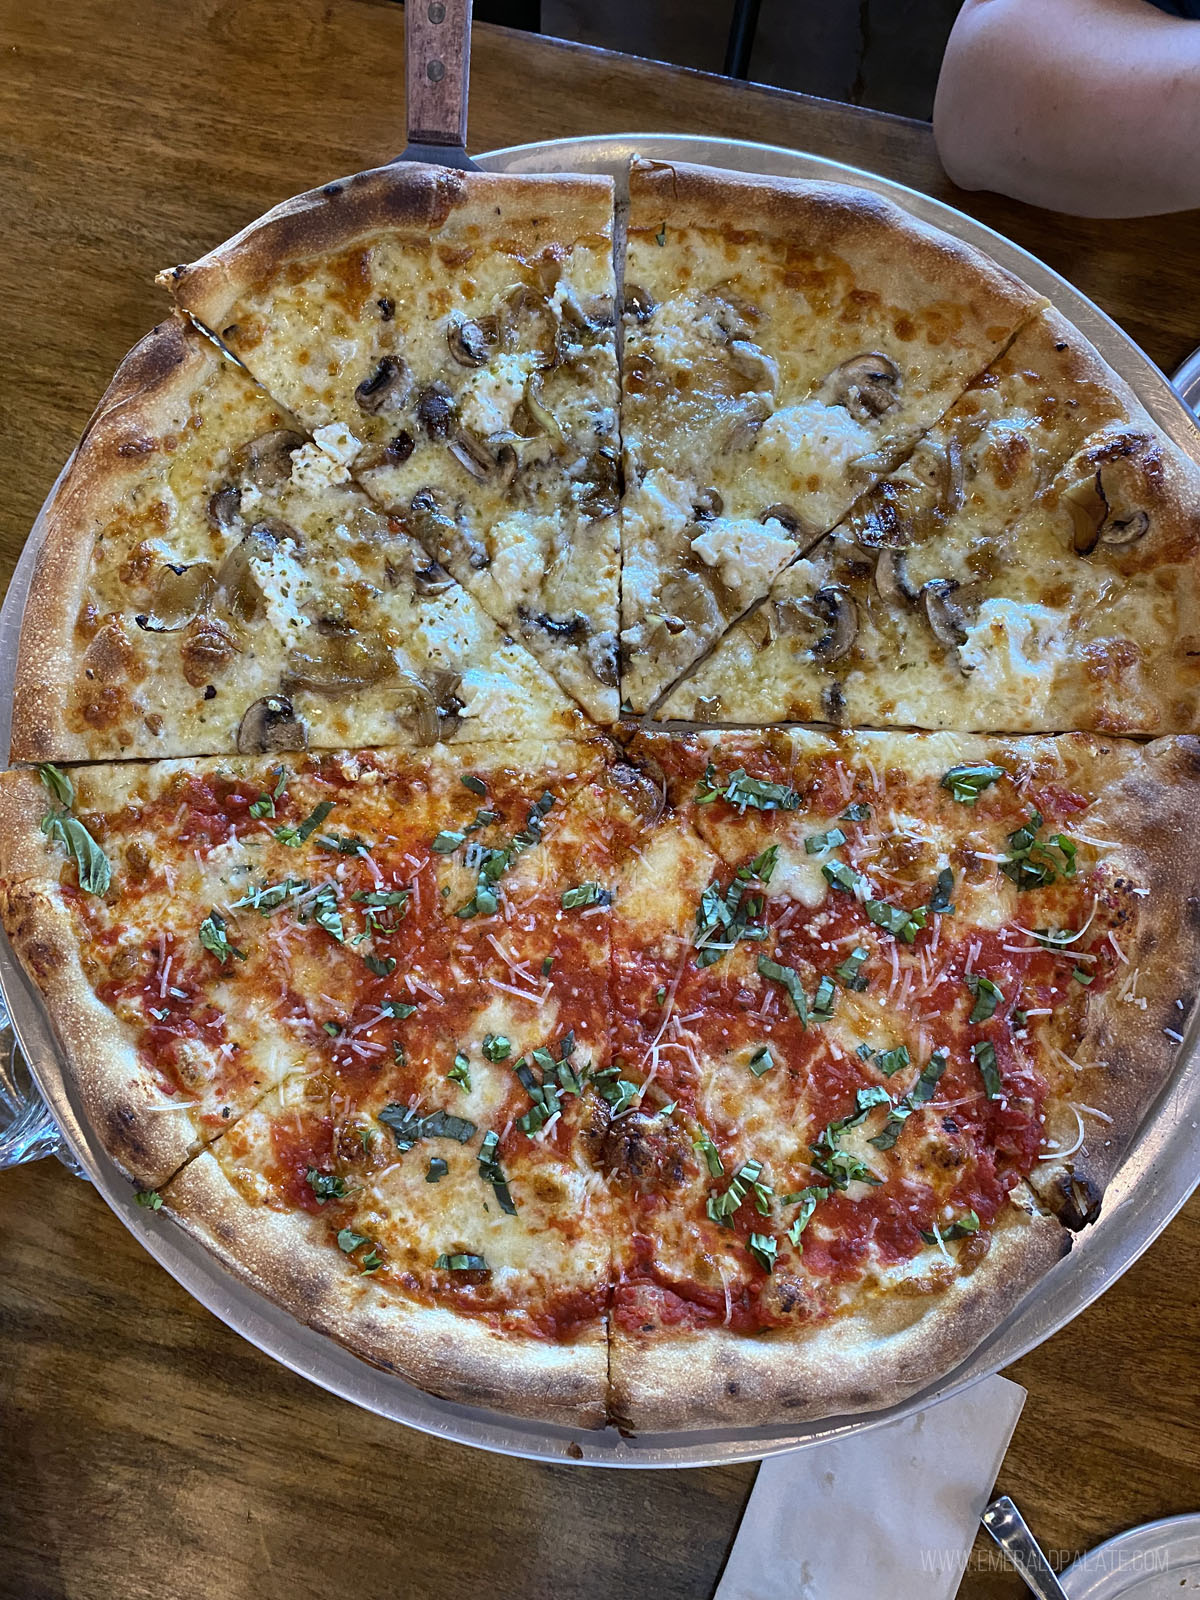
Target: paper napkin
[892, 1511]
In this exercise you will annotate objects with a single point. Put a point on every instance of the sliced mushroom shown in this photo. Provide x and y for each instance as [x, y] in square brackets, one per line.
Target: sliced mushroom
[891, 579]
[472, 454]
[754, 365]
[749, 418]
[538, 410]
[560, 627]
[707, 504]
[270, 724]
[600, 653]
[1095, 521]
[470, 341]
[180, 594]
[342, 662]
[433, 579]
[441, 534]
[387, 389]
[435, 410]
[426, 709]
[732, 312]
[945, 618]
[884, 519]
[866, 385]
[602, 479]
[639, 303]
[237, 583]
[791, 520]
[837, 609]
[267, 460]
[224, 508]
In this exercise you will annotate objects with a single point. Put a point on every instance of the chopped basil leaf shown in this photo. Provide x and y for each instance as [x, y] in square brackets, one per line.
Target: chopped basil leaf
[721, 1207]
[295, 837]
[843, 877]
[271, 896]
[1018, 1019]
[150, 1199]
[264, 806]
[660, 994]
[326, 1185]
[712, 1156]
[808, 1200]
[371, 1262]
[761, 1061]
[744, 791]
[987, 997]
[1031, 864]
[586, 894]
[57, 784]
[447, 842]
[349, 1241]
[985, 1059]
[616, 1092]
[858, 812]
[962, 1226]
[764, 1249]
[476, 785]
[725, 916]
[496, 1047]
[941, 898]
[815, 843]
[324, 912]
[397, 1008]
[213, 936]
[762, 866]
[409, 1126]
[824, 998]
[436, 1170]
[95, 873]
[790, 980]
[1082, 976]
[850, 970]
[921, 1092]
[967, 783]
[547, 964]
[492, 864]
[460, 1072]
[895, 920]
[873, 1094]
[490, 1172]
[1068, 848]
[461, 1263]
[382, 967]
[866, 1051]
[892, 1061]
[332, 1028]
[381, 899]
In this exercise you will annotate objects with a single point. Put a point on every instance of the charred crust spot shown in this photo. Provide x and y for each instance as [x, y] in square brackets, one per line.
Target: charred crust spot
[1080, 1201]
[135, 447]
[387, 308]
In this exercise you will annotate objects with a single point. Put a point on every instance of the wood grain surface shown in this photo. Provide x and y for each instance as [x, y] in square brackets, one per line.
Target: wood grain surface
[147, 1451]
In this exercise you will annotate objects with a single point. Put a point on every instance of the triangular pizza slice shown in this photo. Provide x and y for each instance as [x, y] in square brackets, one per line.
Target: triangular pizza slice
[1032, 566]
[459, 329]
[786, 344]
[212, 580]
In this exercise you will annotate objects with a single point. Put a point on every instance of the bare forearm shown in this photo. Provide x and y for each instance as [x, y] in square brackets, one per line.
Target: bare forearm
[1087, 106]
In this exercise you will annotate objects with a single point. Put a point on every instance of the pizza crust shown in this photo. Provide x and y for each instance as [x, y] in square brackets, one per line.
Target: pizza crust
[873, 1358]
[283, 1256]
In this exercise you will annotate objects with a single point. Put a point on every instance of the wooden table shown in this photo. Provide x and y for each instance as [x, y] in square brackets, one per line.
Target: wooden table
[147, 1451]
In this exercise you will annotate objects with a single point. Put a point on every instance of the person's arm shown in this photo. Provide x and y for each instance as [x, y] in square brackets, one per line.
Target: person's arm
[1085, 106]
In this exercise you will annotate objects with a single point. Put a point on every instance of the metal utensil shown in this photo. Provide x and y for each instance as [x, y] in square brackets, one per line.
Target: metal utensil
[1011, 1532]
[437, 68]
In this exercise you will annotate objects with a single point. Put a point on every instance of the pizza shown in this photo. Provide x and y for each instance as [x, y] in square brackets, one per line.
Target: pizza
[1032, 565]
[562, 1061]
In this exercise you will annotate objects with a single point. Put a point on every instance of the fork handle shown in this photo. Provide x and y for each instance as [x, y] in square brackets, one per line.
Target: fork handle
[437, 62]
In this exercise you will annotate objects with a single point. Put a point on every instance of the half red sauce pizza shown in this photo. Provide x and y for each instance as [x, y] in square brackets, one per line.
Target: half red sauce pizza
[667, 1080]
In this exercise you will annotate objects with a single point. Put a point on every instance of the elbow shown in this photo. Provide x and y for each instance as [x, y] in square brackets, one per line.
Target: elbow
[976, 141]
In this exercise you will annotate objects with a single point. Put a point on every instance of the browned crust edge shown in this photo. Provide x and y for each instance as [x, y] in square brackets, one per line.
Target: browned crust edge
[147, 397]
[1152, 812]
[403, 198]
[854, 1364]
[459, 1358]
[828, 216]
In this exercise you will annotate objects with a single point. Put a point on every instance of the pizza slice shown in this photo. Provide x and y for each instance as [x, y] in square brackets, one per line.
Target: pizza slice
[211, 580]
[895, 1022]
[1032, 566]
[202, 931]
[459, 328]
[424, 1196]
[786, 345]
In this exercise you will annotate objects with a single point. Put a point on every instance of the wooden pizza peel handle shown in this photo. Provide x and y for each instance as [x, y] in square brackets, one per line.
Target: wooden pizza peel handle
[437, 66]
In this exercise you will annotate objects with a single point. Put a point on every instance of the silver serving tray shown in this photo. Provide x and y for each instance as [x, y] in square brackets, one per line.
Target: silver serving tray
[1153, 1183]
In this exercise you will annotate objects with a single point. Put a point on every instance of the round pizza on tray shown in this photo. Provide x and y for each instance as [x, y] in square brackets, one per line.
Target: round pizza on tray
[437, 917]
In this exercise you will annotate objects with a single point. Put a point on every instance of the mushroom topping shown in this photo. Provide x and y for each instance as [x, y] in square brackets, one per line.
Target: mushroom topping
[602, 485]
[428, 711]
[433, 579]
[600, 653]
[387, 389]
[1095, 520]
[470, 341]
[837, 609]
[439, 533]
[537, 409]
[642, 792]
[224, 508]
[884, 519]
[499, 470]
[732, 312]
[239, 588]
[790, 519]
[180, 594]
[754, 411]
[337, 662]
[754, 364]
[435, 410]
[589, 321]
[708, 503]
[639, 304]
[267, 460]
[945, 618]
[891, 579]
[269, 725]
[866, 385]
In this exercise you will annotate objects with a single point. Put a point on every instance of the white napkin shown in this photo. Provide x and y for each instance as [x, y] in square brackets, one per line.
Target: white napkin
[892, 1511]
